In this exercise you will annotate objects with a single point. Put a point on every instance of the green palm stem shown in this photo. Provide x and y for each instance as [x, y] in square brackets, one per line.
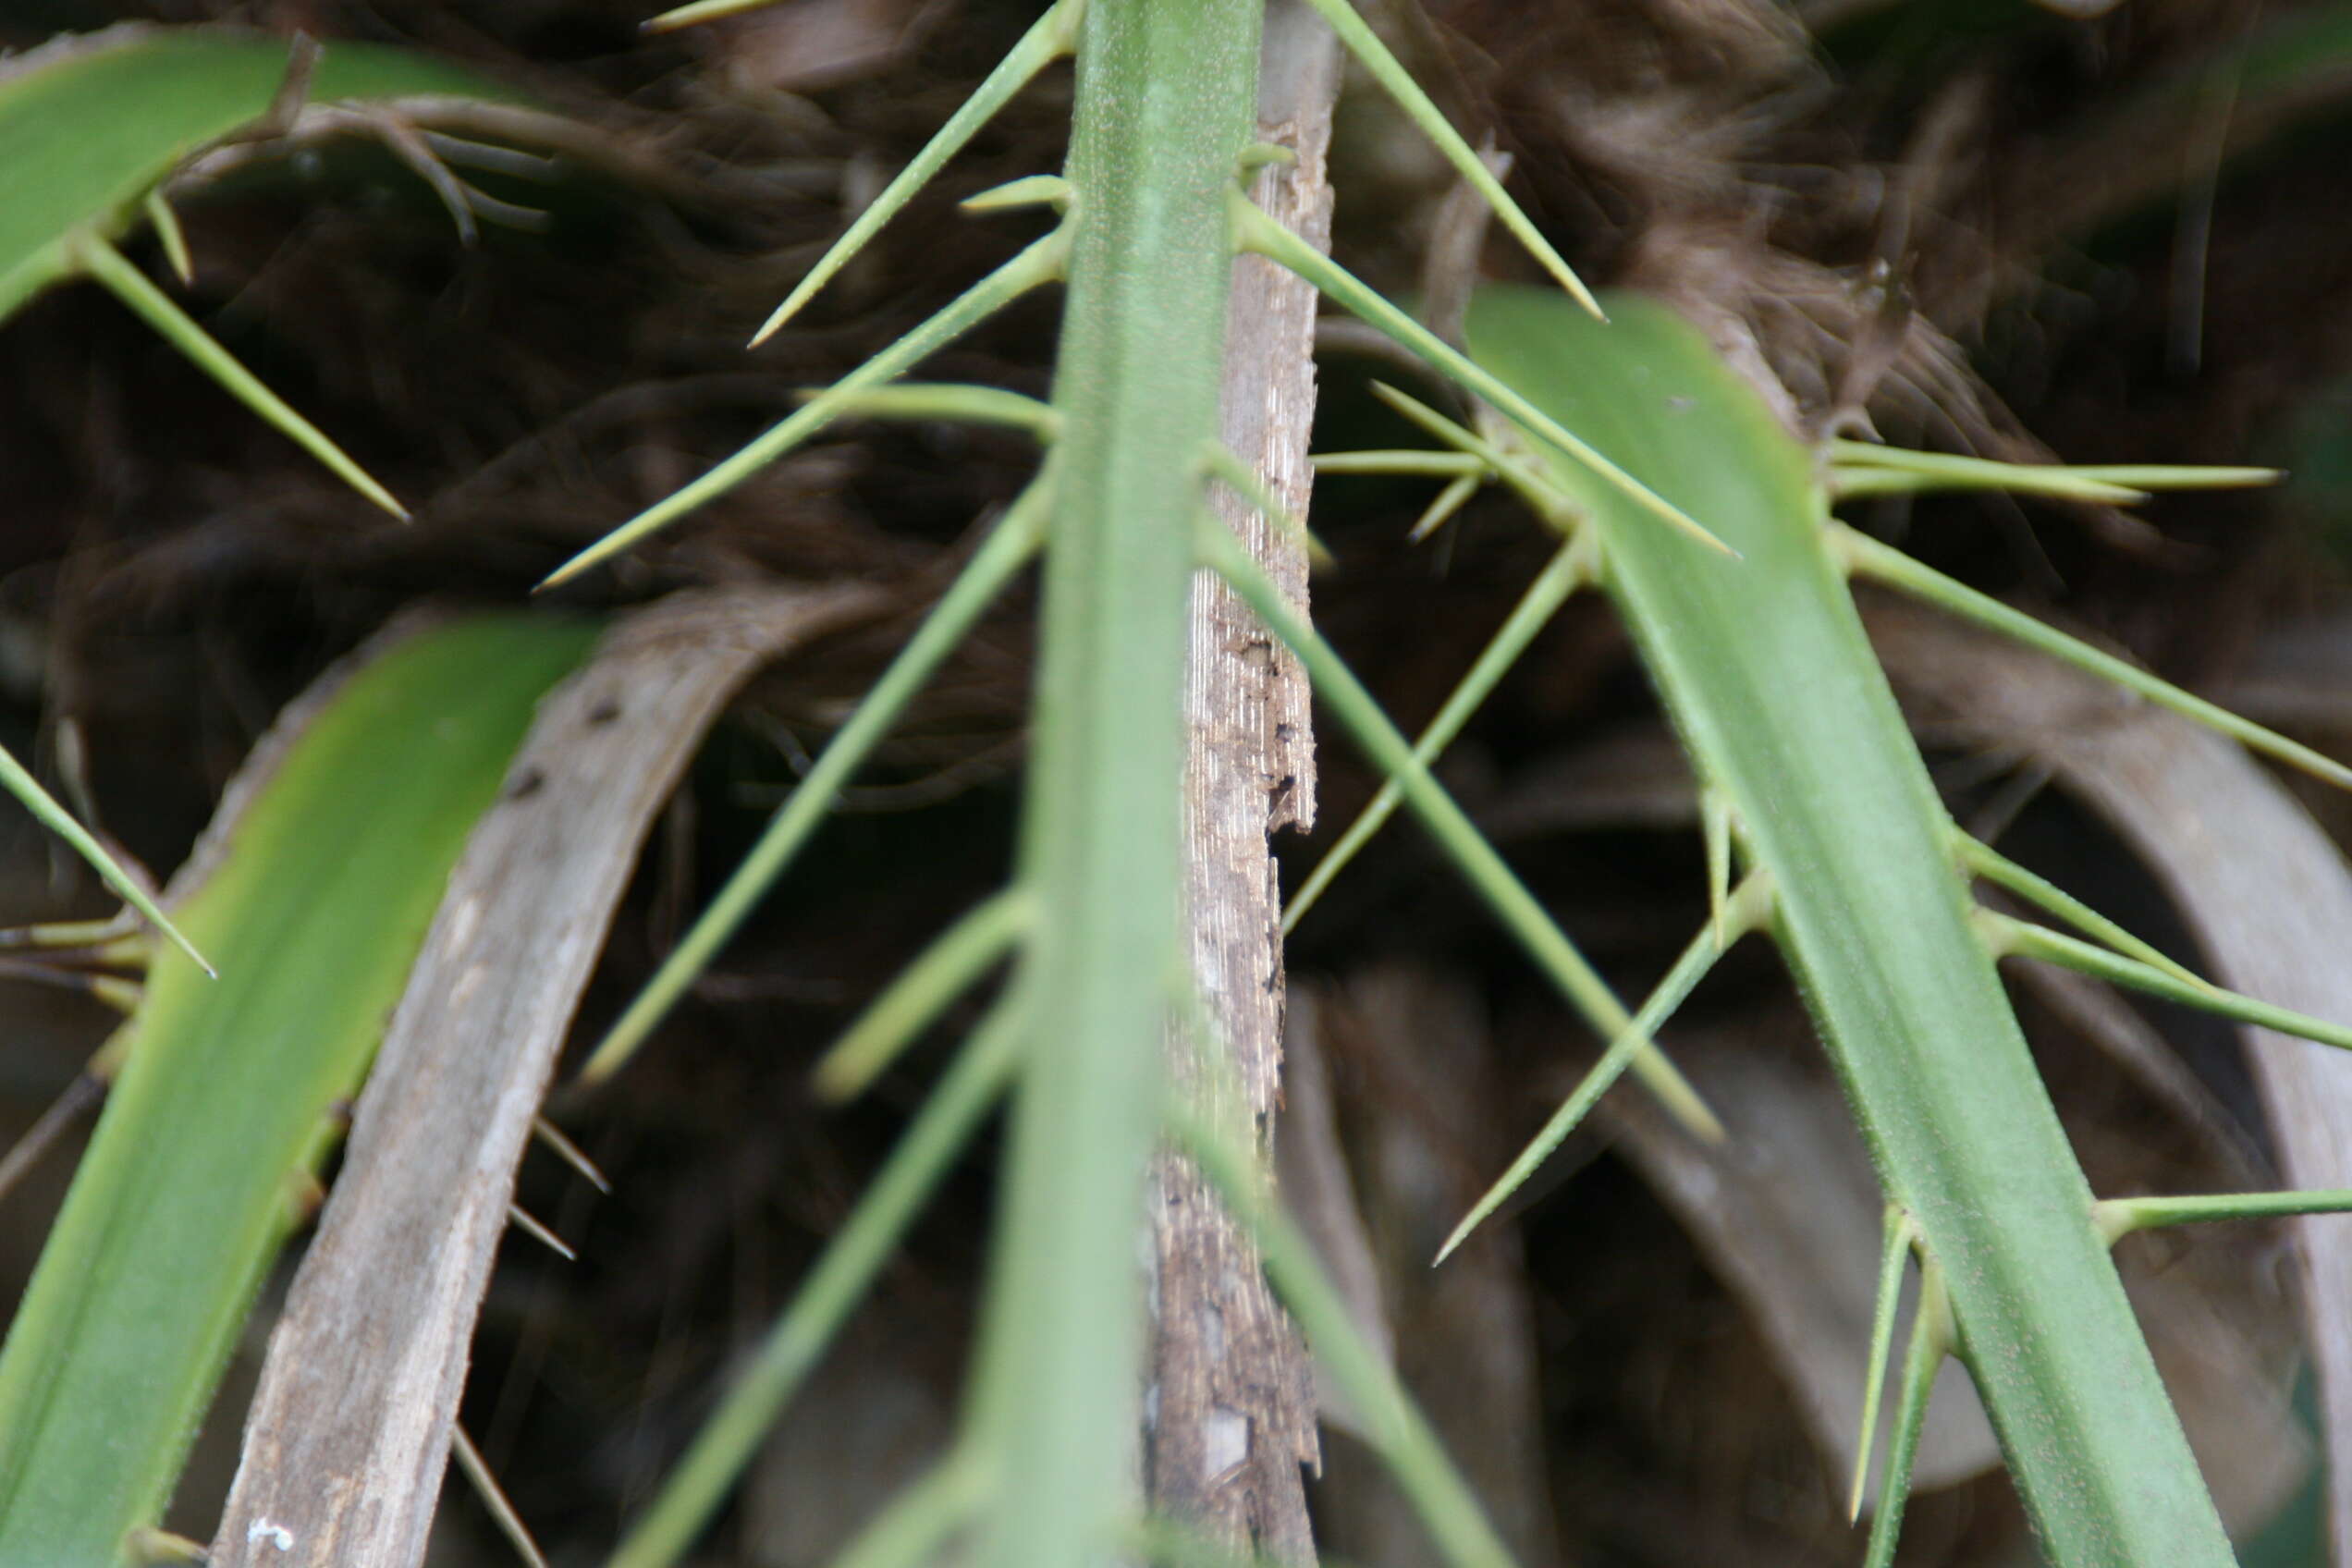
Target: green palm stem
[1165, 108]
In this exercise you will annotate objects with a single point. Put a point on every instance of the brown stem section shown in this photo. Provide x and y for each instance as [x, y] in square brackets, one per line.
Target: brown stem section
[1232, 1416]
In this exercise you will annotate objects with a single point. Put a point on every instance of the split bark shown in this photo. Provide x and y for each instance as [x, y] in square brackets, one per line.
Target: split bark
[1232, 1412]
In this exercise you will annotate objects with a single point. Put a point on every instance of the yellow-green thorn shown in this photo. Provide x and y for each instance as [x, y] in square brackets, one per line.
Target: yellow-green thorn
[1015, 540]
[167, 230]
[1932, 1338]
[153, 1547]
[154, 307]
[1552, 503]
[699, 12]
[2118, 1218]
[1390, 1424]
[1864, 556]
[1391, 74]
[1868, 468]
[118, 928]
[1894, 1248]
[1561, 577]
[1750, 907]
[1266, 154]
[20, 783]
[698, 1484]
[1030, 190]
[1984, 860]
[1048, 40]
[1715, 813]
[1485, 870]
[1222, 463]
[967, 950]
[2023, 939]
[122, 996]
[1449, 500]
[1255, 232]
[1041, 262]
[949, 402]
[1408, 462]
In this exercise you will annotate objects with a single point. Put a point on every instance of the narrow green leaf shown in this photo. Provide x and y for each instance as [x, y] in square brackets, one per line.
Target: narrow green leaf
[1773, 686]
[1166, 107]
[1000, 558]
[90, 124]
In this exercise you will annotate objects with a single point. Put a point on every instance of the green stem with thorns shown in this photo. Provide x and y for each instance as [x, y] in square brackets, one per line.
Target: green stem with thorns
[1774, 689]
[1165, 110]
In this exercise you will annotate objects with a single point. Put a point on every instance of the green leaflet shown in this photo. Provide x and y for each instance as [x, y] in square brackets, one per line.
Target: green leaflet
[1764, 665]
[318, 895]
